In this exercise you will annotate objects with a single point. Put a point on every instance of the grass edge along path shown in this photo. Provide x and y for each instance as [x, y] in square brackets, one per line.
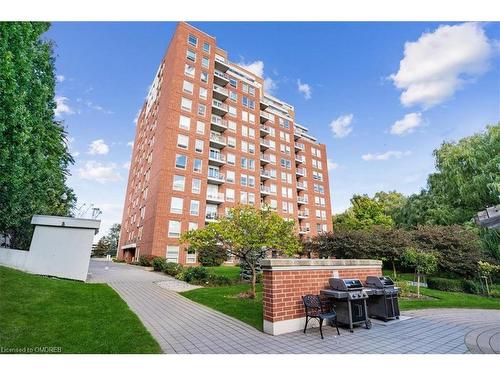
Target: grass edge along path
[40, 312]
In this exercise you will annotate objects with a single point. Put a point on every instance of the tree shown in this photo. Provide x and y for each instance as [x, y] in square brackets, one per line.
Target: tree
[102, 248]
[247, 233]
[34, 157]
[467, 180]
[113, 236]
[364, 213]
[391, 202]
[421, 262]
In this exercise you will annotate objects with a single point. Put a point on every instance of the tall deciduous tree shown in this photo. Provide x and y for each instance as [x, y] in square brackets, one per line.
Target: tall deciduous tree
[34, 158]
[365, 212]
[246, 233]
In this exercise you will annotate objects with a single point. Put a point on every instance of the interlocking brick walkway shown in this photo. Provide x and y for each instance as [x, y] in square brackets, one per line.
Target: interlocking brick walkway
[183, 326]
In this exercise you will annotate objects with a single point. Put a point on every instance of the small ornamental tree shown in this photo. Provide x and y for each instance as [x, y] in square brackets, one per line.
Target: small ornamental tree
[421, 262]
[246, 233]
[102, 247]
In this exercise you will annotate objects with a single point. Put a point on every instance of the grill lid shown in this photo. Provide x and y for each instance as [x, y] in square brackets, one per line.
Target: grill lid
[379, 281]
[345, 284]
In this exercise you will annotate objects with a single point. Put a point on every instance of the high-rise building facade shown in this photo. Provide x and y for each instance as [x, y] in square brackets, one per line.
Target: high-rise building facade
[208, 138]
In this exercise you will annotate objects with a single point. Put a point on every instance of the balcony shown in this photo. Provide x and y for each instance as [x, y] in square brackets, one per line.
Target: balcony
[265, 175]
[217, 141]
[215, 177]
[303, 214]
[221, 65]
[215, 198]
[211, 217]
[220, 92]
[221, 78]
[216, 158]
[264, 130]
[297, 133]
[218, 123]
[264, 117]
[264, 103]
[301, 200]
[219, 108]
[301, 186]
[304, 230]
[265, 190]
[299, 159]
[300, 172]
[264, 144]
[299, 146]
[264, 159]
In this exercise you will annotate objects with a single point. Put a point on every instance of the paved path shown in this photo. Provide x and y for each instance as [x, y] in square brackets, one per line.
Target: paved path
[183, 326]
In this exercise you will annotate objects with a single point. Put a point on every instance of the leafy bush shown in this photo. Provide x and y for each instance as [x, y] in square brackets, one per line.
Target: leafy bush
[201, 276]
[172, 269]
[211, 256]
[145, 260]
[158, 263]
[404, 288]
[219, 280]
[447, 285]
[471, 287]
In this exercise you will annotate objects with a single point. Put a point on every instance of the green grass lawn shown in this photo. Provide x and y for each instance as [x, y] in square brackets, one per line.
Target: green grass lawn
[233, 272]
[225, 299]
[38, 311]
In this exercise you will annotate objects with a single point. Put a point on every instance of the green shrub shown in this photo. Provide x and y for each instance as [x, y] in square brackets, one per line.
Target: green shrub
[471, 287]
[201, 276]
[172, 269]
[218, 280]
[212, 257]
[404, 288]
[495, 293]
[145, 260]
[158, 263]
[447, 285]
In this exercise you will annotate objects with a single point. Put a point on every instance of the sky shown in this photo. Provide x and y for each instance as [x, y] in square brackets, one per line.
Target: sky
[381, 96]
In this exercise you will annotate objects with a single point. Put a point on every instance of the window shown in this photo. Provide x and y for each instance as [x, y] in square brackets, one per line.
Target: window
[230, 176]
[243, 197]
[243, 179]
[244, 131]
[233, 96]
[204, 77]
[176, 205]
[203, 93]
[198, 145]
[244, 146]
[172, 254]
[232, 111]
[174, 229]
[184, 122]
[205, 62]
[191, 55]
[192, 226]
[195, 186]
[180, 161]
[231, 142]
[251, 119]
[200, 127]
[202, 109]
[197, 165]
[186, 104]
[251, 198]
[251, 90]
[191, 256]
[233, 82]
[206, 47]
[179, 182]
[244, 116]
[231, 125]
[230, 195]
[192, 40]
[182, 141]
[231, 159]
[244, 162]
[251, 148]
[189, 70]
[251, 181]
[194, 208]
[187, 87]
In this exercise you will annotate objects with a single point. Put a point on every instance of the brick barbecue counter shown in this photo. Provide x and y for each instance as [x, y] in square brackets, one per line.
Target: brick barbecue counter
[287, 280]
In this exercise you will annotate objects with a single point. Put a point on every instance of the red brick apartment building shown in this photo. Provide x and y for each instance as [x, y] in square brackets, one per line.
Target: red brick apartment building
[208, 137]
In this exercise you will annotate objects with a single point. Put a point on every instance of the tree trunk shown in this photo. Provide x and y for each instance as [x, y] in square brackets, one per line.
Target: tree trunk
[254, 279]
[418, 284]
[394, 269]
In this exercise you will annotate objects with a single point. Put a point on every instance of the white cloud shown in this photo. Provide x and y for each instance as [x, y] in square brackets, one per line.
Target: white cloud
[102, 173]
[130, 144]
[341, 126]
[126, 165]
[60, 78]
[386, 155]
[440, 62]
[407, 124]
[62, 107]
[304, 89]
[98, 147]
[97, 107]
[332, 165]
[257, 68]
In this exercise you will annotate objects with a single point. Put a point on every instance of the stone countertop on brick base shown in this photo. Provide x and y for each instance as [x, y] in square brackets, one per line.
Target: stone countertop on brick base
[280, 263]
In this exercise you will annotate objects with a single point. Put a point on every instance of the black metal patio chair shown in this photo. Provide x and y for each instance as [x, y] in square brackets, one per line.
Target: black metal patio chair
[315, 310]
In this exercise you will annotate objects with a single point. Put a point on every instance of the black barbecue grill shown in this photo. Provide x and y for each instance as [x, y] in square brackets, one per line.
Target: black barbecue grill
[350, 301]
[383, 298]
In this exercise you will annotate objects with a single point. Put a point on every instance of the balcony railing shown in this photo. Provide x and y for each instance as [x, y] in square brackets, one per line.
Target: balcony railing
[219, 106]
[301, 186]
[304, 230]
[265, 190]
[302, 200]
[211, 216]
[264, 130]
[300, 159]
[220, 92]
[219, 123]
[300, 172]
[303, 214]
[215, 197]
[265, 174]
[217, 156]
[221, 78]
[265, 144]
[264, 117]
[265, 158]
[214, 175]
[218, 138]
[300, 146]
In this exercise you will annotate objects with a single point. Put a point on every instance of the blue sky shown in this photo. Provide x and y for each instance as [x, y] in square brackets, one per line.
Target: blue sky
[356, 81]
